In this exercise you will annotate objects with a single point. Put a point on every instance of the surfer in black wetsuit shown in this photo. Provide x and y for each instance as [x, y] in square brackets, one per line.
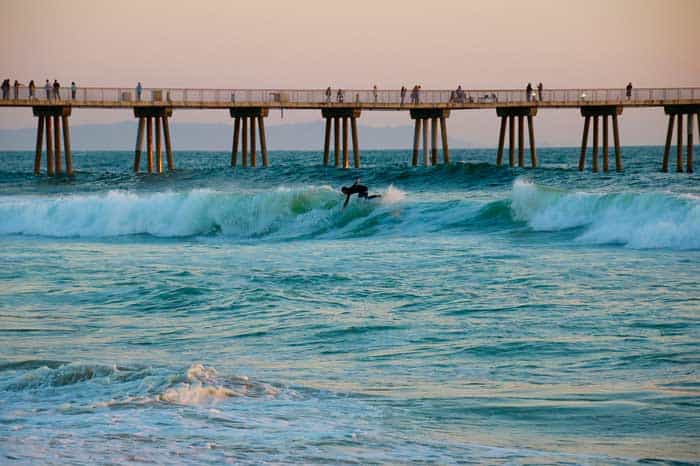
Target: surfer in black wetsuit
[359, 189]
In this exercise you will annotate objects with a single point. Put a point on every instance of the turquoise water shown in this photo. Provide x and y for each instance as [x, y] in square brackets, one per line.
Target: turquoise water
[474, 315]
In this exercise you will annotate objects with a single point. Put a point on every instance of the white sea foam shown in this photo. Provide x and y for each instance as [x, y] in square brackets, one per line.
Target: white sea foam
[637, 220]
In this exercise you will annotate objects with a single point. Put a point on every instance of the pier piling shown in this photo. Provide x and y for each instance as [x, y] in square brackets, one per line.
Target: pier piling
[57, 144]
[50, 120]
[508, 115]
[159, 148]
[676, 112]
[39, 142]
[348, 116]
[598, 113]
[501, 140]
[327, 142]
[605, 143]
[146, 116]
[426, 121]
[416, 141]
[66, 145]
[244, 127]
[443, 133]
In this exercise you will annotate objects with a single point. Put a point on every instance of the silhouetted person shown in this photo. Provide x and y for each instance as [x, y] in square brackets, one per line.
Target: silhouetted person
[56, 89]
[32, 87]
[328, 95]
[403, 94]
[359, 189]
[73, 90]
[47, 88]
[139, 89]
[540, 88]
[339, 96]
[528, 91]
[5, 89]
[16, 86]
[629, 91]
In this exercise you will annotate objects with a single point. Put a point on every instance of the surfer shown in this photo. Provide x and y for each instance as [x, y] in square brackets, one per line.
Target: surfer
[359, 189]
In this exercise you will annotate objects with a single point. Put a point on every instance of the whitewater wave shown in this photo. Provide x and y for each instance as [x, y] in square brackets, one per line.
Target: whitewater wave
[199, 385]
[636, 220]
[287, 212]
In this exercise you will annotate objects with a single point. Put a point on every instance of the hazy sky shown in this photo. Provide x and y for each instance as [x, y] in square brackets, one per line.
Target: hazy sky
[355, 44]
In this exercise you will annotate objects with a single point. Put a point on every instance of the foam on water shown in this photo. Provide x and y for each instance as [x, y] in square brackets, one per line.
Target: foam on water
[637, 220]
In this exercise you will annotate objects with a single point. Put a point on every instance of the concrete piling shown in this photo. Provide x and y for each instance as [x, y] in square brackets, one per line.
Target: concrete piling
[39, 142]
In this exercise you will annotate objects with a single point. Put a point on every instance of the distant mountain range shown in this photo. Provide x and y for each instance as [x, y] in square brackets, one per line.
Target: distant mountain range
[199, 136]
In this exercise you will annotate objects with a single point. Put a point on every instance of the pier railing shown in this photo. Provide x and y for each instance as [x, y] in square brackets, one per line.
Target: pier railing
[350, 97]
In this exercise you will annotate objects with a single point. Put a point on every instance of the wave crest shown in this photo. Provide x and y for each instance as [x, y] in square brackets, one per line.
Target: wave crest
[637, 220]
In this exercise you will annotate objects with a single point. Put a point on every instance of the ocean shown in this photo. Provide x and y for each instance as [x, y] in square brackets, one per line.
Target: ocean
[472, 315]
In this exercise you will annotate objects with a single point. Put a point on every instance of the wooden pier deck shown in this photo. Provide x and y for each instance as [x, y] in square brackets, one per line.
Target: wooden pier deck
[342, 107]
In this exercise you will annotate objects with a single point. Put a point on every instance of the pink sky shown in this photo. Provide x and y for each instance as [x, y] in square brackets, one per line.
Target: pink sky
[313, 43]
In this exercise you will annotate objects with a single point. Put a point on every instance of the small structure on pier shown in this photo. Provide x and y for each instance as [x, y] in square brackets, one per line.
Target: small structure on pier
[421, 117]
[59, 116]
[507, 115]
[677, 111]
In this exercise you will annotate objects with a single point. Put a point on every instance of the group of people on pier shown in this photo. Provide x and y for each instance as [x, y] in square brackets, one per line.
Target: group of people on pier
[53, 90]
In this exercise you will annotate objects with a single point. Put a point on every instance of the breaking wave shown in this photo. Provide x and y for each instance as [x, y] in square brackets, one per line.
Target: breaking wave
[284, 212]
[636, 220]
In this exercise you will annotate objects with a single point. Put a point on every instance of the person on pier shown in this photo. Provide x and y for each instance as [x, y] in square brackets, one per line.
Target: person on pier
[32, 87]
[47, 88]
[139, 89]
[17, 86]
[359, 189]
[403, 94]
[540, 88]
[56, 89]
[5, 89]
[73, 90]
[328, 95]
[528, 91]
[339, 96]
[628, 90]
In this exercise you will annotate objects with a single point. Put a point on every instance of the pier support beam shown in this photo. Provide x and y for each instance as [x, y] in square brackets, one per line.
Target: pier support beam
[244, 118]
[146, 116]
[507, 116]
[596, 112]
[425, 117]
[347, 115]
[50, 121]
[676, 112]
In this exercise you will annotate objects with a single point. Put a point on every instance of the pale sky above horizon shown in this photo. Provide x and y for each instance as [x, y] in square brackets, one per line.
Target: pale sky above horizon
[313, 43]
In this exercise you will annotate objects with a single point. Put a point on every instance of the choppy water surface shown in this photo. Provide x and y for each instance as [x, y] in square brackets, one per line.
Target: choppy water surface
[475, 314]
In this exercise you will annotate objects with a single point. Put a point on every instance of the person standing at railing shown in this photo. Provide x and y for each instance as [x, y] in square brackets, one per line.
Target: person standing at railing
[629, 91]
[328, 95]
[139, 89]
[403, 94]
[56, 89]
[47, 88]
[73, 90]
[374, 92]
[5, 89]
[540, 88]
[339, 96]
[528, 91]
[32, 86]
[16, 86]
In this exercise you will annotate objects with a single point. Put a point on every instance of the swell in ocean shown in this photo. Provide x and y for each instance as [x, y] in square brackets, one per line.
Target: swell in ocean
[637, 220]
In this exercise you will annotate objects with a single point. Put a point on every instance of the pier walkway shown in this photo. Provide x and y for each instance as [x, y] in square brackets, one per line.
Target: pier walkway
[428, 108]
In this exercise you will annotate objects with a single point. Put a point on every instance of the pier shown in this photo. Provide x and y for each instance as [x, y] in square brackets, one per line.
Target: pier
[428, 108]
